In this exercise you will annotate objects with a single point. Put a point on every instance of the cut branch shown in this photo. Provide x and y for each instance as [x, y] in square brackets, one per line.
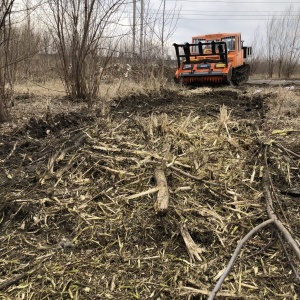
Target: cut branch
[141, 194]
[60, 155]
[267, 177]
[278, 224]
[235, 254]
[162, 200]
[193, 249]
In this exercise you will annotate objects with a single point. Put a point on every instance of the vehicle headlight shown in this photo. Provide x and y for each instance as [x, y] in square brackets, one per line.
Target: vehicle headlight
[220, 65]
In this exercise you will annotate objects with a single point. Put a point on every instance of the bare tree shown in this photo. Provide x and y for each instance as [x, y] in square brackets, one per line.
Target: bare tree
[282, 40]
[5, 29]
[82, 29]
[165, 27]
[271, 45]
[29, 44]
[18, 43]
[158, 25]
[256, 58]
[292, 44]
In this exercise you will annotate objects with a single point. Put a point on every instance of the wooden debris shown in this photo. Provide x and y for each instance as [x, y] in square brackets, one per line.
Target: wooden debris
[235, 254]
[162, 200]
[273, 219]
[60, 155]
[122, 245]
[278, 223]
[144, 193]
[193, 249]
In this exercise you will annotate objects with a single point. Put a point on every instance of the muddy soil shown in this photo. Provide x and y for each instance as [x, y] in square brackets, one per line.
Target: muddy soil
[73, 224]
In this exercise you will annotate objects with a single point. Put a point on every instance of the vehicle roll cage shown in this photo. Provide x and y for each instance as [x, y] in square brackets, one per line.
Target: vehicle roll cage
[221, 46]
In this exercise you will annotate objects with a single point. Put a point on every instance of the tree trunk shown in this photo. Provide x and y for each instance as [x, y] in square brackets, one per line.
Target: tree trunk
[3, 112]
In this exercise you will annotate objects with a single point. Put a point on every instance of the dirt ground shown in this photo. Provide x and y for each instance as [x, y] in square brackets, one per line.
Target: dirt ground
[78, 195]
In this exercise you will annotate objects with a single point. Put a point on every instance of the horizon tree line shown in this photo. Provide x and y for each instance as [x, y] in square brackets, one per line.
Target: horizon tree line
[85, 36]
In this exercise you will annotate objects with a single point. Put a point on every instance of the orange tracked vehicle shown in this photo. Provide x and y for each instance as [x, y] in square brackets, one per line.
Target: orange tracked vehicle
[213, 58]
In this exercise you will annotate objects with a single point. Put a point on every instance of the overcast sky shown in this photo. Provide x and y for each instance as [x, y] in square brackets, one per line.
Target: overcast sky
[197, 17]
[211, 16]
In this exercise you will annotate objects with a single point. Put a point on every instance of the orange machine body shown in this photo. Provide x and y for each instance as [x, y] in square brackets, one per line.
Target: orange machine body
[213, 58]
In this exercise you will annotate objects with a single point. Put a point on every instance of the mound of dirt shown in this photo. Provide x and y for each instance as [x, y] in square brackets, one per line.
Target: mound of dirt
[79, 216]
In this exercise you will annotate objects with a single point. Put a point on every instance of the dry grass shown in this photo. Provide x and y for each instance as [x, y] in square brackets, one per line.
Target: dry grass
[112, 89]
[37, 100]
[50, 88]
[285, 108]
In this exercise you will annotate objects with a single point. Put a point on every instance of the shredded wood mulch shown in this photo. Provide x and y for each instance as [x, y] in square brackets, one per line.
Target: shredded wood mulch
[151, 200]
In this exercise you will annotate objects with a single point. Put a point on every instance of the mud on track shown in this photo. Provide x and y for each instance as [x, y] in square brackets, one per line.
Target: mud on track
[71, 227]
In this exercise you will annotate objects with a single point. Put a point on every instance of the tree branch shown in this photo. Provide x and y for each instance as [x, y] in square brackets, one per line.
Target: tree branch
[235, 254]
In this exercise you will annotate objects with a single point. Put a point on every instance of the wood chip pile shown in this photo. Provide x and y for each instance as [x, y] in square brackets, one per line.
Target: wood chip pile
[151, 201]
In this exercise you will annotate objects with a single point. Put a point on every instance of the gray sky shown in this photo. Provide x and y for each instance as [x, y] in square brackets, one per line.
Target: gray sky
[211, 16]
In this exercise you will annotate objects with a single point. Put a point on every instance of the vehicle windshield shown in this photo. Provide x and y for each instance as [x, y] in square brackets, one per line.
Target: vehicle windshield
[230, 41]
[195, 48]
